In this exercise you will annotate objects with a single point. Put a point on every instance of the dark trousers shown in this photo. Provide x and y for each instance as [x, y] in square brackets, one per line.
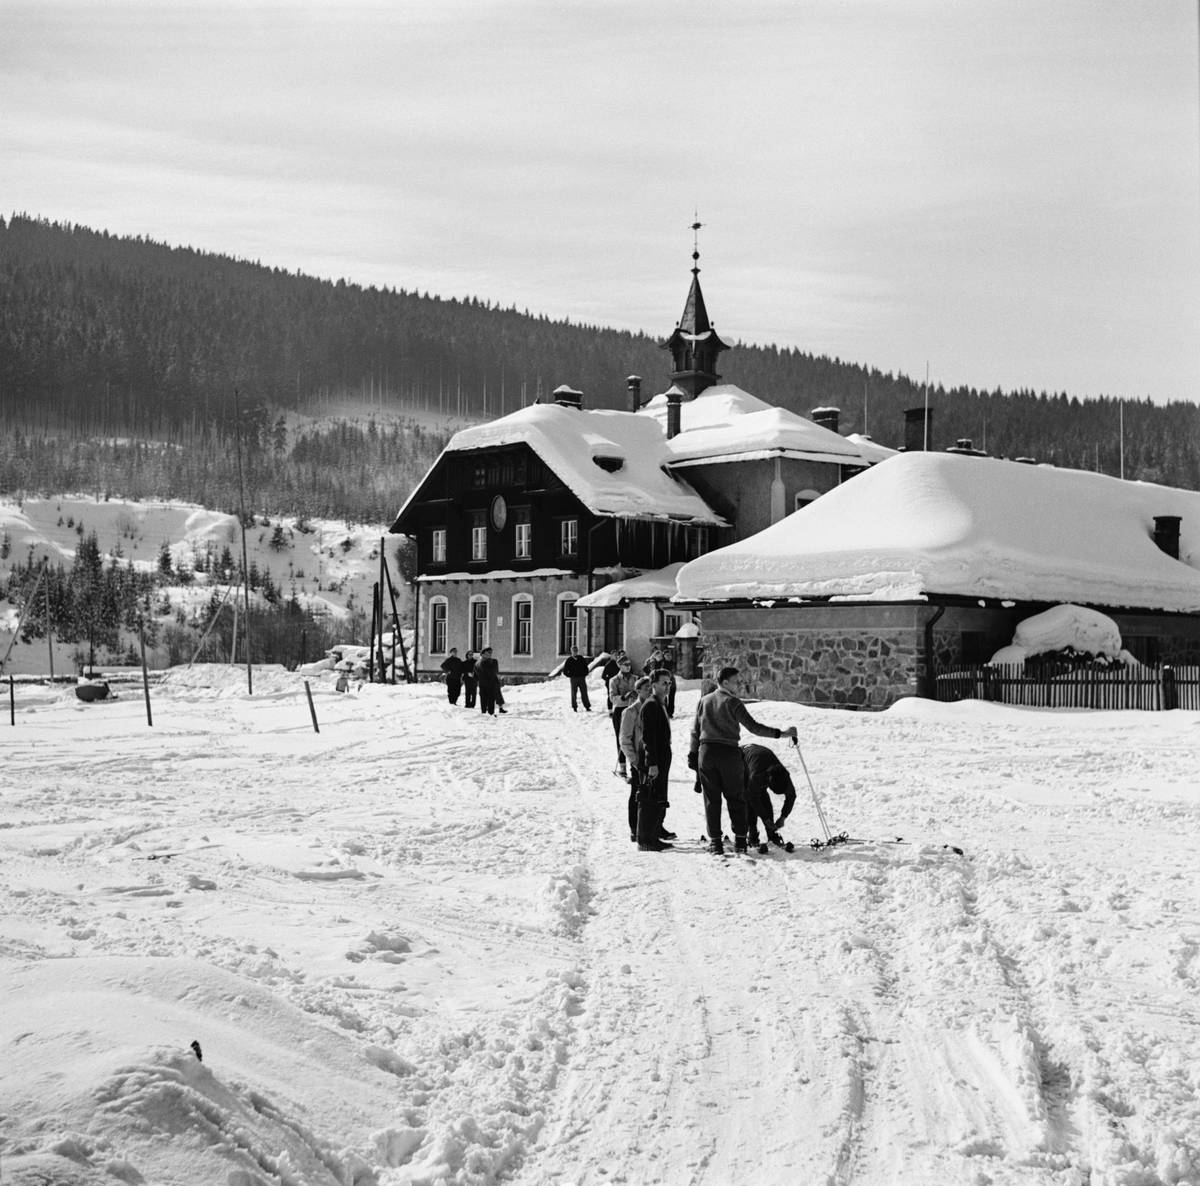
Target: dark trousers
[487, 699]
[722, 776]
[652, 804]
[616, 722]
[469, 693]
[635, 781]
[579, 691]
[760, 808]
[453, 687]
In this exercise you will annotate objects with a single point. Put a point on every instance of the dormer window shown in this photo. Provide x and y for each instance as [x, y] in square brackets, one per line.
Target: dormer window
[609, 463]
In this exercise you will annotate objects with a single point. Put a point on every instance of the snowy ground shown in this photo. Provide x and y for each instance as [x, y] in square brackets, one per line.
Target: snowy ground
[419, 947]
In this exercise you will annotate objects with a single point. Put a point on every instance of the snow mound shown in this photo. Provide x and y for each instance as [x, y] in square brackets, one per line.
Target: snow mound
[1063, 626]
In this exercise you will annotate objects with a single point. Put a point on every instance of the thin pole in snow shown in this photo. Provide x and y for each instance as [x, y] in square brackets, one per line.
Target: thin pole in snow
[311, 707]
[926, 445]
[237, 436]
[145, 674]
[1121, 432]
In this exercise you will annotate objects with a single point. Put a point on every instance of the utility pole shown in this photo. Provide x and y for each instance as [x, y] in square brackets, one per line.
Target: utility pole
[237, 436]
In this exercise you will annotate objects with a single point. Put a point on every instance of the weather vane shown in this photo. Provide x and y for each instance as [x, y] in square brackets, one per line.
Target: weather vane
[696, 241]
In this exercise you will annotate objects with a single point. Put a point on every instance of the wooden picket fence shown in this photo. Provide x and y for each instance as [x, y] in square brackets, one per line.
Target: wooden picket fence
[1148, 688]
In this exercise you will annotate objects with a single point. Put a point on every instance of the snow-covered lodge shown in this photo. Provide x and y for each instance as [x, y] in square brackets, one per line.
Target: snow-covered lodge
[706, 507]
[560, 523]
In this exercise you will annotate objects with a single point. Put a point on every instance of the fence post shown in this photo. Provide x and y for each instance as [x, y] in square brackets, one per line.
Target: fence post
[1170, 693]
[312, 709]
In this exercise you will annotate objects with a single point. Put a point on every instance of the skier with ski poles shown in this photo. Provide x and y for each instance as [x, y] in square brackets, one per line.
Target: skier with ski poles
[715, 754]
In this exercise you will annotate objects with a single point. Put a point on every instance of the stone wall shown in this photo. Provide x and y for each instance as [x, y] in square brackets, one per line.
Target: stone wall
[856, 657]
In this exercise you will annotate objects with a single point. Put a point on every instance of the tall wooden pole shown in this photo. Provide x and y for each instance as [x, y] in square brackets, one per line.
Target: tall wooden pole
[49, 633]
[145, 674]
[237, 434]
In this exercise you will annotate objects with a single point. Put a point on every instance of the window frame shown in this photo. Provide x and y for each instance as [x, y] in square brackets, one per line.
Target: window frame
[564, 642]
[474, 619]
[568, 526]
[479, 531]
[437, 620]
[437, 536]
[522, 627]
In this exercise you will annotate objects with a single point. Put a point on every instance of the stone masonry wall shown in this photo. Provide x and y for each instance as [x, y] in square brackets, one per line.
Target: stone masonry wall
[831, 668]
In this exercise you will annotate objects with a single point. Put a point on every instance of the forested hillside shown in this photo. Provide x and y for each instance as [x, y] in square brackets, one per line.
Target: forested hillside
[105, 338]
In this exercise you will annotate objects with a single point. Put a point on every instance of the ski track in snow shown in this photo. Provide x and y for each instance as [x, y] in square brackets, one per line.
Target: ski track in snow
[418, 947]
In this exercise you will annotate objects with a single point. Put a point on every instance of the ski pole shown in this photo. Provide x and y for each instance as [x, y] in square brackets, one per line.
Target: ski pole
[812, 791]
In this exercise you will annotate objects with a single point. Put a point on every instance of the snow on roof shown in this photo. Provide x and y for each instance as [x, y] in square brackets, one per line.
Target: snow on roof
[725, 422]
[658, 585]
[872, 451]
[569, 439]
[935, 523]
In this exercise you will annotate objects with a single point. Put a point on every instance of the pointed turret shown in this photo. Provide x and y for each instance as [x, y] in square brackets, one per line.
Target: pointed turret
[694, 345]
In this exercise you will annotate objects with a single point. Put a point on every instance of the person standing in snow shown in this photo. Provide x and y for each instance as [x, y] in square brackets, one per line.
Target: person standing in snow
[576, 669]
[659, 660]
[715, 754]
[470, 679]
[611, 667]
[622, 692]
[766, 773]
[631, 740]
[654, 762]
[488, 672]
[452, 667]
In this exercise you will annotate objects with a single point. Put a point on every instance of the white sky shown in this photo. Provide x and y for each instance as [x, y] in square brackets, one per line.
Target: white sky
[1009, 191]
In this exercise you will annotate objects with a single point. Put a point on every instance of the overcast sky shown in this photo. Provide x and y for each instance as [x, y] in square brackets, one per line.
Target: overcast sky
[1009, 190]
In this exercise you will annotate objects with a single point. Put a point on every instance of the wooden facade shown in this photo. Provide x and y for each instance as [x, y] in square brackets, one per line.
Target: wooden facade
[504, 548]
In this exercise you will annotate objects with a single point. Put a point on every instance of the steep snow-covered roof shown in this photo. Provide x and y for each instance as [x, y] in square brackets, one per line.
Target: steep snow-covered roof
[928, 523]
[657, 585]
[569, 440]
[725, 423]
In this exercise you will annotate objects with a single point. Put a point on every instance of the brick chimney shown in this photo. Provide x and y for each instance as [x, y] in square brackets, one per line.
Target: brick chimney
[826, 417]
[633, 388]
[675, 398]
[915, 430]
[1166, 534]
[568, 397]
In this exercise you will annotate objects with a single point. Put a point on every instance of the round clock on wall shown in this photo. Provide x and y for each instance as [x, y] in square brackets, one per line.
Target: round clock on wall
[499, 512]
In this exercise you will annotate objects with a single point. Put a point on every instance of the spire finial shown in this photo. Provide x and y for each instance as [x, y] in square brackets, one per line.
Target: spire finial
[696, 225]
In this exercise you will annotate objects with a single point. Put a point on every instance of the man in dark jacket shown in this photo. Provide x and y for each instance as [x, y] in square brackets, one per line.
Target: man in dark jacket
[576, 670]
[714, 752]
[765, 772]
[488, 671]
[470, 679]
[654, 765]
[452, 667]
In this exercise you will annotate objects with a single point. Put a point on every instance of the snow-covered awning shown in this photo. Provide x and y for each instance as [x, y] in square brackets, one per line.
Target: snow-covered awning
[657, 585]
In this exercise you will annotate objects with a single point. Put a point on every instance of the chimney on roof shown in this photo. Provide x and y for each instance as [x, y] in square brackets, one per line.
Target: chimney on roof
[1166, 534]
[674, 411]
[966, 448]
[826, 417]
[633, 388]
[918, 429]
[568, 397]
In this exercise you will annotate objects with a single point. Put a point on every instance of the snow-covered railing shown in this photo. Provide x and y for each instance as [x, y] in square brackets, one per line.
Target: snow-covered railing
[1147, 688]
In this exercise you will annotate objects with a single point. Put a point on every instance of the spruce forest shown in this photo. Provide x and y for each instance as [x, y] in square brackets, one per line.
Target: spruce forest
[123, 362]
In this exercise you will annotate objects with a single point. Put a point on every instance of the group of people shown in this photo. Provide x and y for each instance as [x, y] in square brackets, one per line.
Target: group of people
[474, 676]
[742, 777]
